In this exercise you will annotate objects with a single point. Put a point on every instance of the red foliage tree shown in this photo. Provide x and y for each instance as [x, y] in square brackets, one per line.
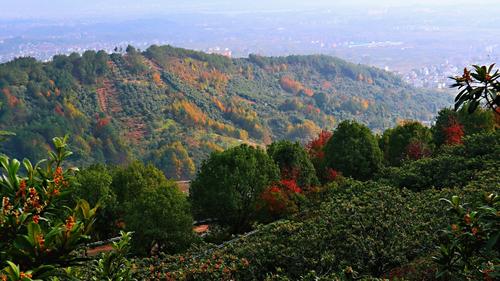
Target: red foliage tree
[454, 132]
[290, 185]
[416, 150]
[331, 174]
[315, 146]
[279, 198]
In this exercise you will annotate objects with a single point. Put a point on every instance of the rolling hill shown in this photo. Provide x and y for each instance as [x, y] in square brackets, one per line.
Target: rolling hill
[172, 106]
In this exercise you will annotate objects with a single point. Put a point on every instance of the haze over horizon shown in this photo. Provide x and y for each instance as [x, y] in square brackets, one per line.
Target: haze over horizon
[79, 9]
[423, 40]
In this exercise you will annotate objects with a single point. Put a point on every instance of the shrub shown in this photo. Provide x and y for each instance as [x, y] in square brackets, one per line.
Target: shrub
[349, 232]
[39, 232]
[471, 244]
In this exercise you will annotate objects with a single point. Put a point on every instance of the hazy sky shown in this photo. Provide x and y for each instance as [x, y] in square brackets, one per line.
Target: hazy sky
[54, 9]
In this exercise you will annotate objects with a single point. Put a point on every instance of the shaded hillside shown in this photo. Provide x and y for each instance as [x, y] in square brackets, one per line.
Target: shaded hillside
[173, 106]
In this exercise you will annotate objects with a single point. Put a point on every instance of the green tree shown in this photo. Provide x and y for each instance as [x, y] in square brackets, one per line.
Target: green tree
[160, 218]
[294, 163]
[94, 185]
[152, 207]
[229, 185]
[480, 121]
[353, 151]
[397, 142]
[443, 120]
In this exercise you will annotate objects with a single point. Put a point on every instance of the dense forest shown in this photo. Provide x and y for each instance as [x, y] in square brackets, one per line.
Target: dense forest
[172, 106]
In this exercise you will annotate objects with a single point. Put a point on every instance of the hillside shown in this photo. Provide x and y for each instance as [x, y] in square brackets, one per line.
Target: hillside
[173, 106]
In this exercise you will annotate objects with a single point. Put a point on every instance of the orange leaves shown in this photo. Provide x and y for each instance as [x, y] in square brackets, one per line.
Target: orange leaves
[326, 85]
[196, 74]
[295, 87]
[290, 85]
[364, 104]
[308, 92]
[365, 79]
[303, 131]
[11, 99]
[157, 79]
[102, 122]
[219, 104]
[194, 112]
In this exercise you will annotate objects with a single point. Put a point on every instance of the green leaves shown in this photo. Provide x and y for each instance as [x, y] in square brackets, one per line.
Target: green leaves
[478, 87]
[5, 134]
[471, 248]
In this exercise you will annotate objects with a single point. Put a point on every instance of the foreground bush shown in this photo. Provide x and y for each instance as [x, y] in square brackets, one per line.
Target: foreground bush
[470, 249]
[39, 231]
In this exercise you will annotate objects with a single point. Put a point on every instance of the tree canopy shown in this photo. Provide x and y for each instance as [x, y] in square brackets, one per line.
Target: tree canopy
[353, 151]
[229, 184]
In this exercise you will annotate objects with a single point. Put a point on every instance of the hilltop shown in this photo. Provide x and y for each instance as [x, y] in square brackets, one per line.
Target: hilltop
[172, 106]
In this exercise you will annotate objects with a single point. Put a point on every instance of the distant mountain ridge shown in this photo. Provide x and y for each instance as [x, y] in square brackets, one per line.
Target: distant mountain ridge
[172, 106]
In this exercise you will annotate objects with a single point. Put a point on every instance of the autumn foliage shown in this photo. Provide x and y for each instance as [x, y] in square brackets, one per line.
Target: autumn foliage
[315, 146]
[279, 199]
[454, 132]
[295, 87]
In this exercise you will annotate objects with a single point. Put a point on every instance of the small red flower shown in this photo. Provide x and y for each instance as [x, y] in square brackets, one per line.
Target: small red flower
[70, 222]
[467, 219]
[22, 189]
[36, 219]
[474, 231]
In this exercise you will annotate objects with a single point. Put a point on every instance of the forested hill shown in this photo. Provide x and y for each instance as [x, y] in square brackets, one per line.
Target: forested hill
[173, 106]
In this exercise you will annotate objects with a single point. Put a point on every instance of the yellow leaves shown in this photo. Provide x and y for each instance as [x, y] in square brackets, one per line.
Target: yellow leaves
[212, 146]
[219, 104]
[303, 131]
[71, 110]
[189, 112]
[243, 135]
[196, 74]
